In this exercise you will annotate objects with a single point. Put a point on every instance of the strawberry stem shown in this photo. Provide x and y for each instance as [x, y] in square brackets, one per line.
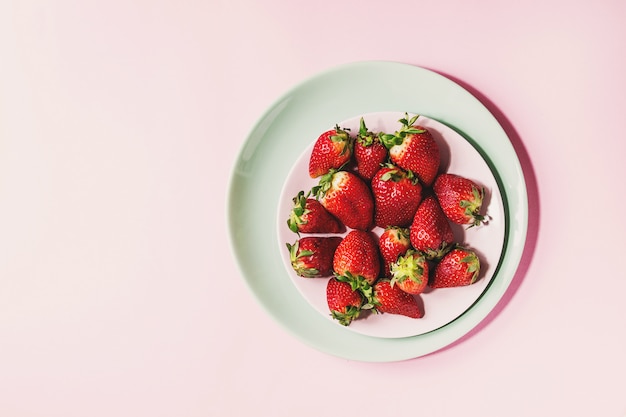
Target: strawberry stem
[473, 262]
[409, 266]
[390, 140]
[324, 184]
[472, 207]
[300, 267]
[436, 254]
[358, 283]
[299, 209]
[351, 313]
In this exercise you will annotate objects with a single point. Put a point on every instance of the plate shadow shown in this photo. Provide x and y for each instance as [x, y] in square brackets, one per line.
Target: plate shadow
[534, 216]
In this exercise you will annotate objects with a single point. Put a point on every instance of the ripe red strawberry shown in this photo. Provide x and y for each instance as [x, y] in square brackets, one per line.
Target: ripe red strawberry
[430, 231]
[391, 299]
[343, 302]
[357, 258]
[413, 148]
[331, 150]
[312, 256]
[393, 242]
[410, 272]
[397, 194]
[460, 198]
[309, 216]
[347, 197]
[369, 152]
[458, 267]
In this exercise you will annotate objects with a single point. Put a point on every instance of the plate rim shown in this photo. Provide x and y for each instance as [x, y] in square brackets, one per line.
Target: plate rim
[413, 346]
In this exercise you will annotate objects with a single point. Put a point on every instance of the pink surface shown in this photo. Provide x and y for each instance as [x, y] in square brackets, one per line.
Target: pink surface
[120, 123]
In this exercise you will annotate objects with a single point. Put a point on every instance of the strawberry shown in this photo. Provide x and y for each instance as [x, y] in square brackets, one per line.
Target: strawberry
[391, 299]
[347, 197]
[458, 267]
[343, 302]
[393, 242]
[312, 256]
[309, 216]
[410, 272]
[397, 194]
[460, 198]
[430, 231]
[413, 148]
[369, 152]
[331, 150]
[357, 258]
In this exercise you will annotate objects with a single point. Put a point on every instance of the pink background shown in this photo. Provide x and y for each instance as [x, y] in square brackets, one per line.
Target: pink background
[119, 124]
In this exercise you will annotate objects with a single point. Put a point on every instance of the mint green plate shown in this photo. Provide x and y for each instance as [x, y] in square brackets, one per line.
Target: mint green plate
[291, 124]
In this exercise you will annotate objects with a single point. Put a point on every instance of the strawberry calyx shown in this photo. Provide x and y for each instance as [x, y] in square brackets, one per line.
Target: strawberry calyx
[472, 207]
[375, 302]
[392, 139]
[296, 262]
[397, 174]
[346, 317]
[408, 266]
[473, 264]
[401, 232]
[365, 137]
[342, 135]
[358, 283]
[298, 211]
[392, 175]
[438, 253]
[325, 183]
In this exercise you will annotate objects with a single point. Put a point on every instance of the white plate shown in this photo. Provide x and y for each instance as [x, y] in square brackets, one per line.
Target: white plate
[443, 305]
[287, 128]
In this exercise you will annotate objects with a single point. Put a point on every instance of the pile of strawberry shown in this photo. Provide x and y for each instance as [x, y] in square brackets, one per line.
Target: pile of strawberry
[390, 181]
